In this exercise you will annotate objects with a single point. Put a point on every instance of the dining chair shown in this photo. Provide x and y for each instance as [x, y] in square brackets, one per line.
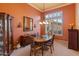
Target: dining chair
[50, 43]
[35, 48]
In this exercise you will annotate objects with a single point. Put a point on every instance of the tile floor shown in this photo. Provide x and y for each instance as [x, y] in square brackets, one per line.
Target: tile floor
[60, 49]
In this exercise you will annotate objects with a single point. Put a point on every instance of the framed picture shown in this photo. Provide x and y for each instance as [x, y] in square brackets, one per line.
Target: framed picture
[27, 24]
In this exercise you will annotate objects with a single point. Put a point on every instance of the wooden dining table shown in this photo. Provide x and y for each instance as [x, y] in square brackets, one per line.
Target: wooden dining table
[43, 39]
[42, 42]
[24, 40]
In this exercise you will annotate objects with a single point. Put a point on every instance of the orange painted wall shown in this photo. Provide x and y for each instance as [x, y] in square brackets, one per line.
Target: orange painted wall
[68, 18]
[18, 10]
[42, 26]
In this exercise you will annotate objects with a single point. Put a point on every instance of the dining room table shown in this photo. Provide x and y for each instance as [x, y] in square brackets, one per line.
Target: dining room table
[44, 38]
[42, 41]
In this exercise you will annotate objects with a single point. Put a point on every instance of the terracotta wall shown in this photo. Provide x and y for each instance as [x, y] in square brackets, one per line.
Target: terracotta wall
[18, 11]
[68, 18]
[77, 15]
[42, 26]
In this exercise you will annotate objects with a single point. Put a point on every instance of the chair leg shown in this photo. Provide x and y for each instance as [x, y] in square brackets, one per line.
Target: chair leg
[34, 53]
[51, 49]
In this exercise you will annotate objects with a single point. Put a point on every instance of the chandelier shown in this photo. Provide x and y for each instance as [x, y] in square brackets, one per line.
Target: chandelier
[43, 22]
[43, 18]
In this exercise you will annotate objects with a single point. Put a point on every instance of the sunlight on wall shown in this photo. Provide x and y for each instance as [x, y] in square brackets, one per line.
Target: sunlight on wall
[77, 15]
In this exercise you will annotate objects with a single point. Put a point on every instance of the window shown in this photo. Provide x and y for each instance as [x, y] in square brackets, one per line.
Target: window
[55, 21]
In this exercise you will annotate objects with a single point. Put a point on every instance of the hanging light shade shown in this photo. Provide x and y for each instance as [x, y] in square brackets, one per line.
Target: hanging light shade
[44, 22]
[40, 23]
[43, 18]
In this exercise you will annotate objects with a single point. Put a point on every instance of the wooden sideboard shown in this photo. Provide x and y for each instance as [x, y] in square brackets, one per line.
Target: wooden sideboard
[73, 36]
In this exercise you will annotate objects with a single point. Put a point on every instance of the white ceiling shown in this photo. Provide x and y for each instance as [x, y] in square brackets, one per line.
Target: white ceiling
[45, 6]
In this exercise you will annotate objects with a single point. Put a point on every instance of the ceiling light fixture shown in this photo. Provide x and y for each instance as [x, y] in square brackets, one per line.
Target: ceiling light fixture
[43, 18]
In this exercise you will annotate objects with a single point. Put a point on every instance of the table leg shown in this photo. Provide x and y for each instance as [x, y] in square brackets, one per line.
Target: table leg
[42, 50]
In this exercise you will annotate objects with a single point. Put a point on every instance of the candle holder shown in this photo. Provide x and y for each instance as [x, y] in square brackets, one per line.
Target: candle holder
[72, 26]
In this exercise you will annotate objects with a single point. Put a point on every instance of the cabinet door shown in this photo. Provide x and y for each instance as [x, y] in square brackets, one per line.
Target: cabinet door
[73, 36]
[10, 36]
[6, 38]
[1, 38]
[5, 35]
